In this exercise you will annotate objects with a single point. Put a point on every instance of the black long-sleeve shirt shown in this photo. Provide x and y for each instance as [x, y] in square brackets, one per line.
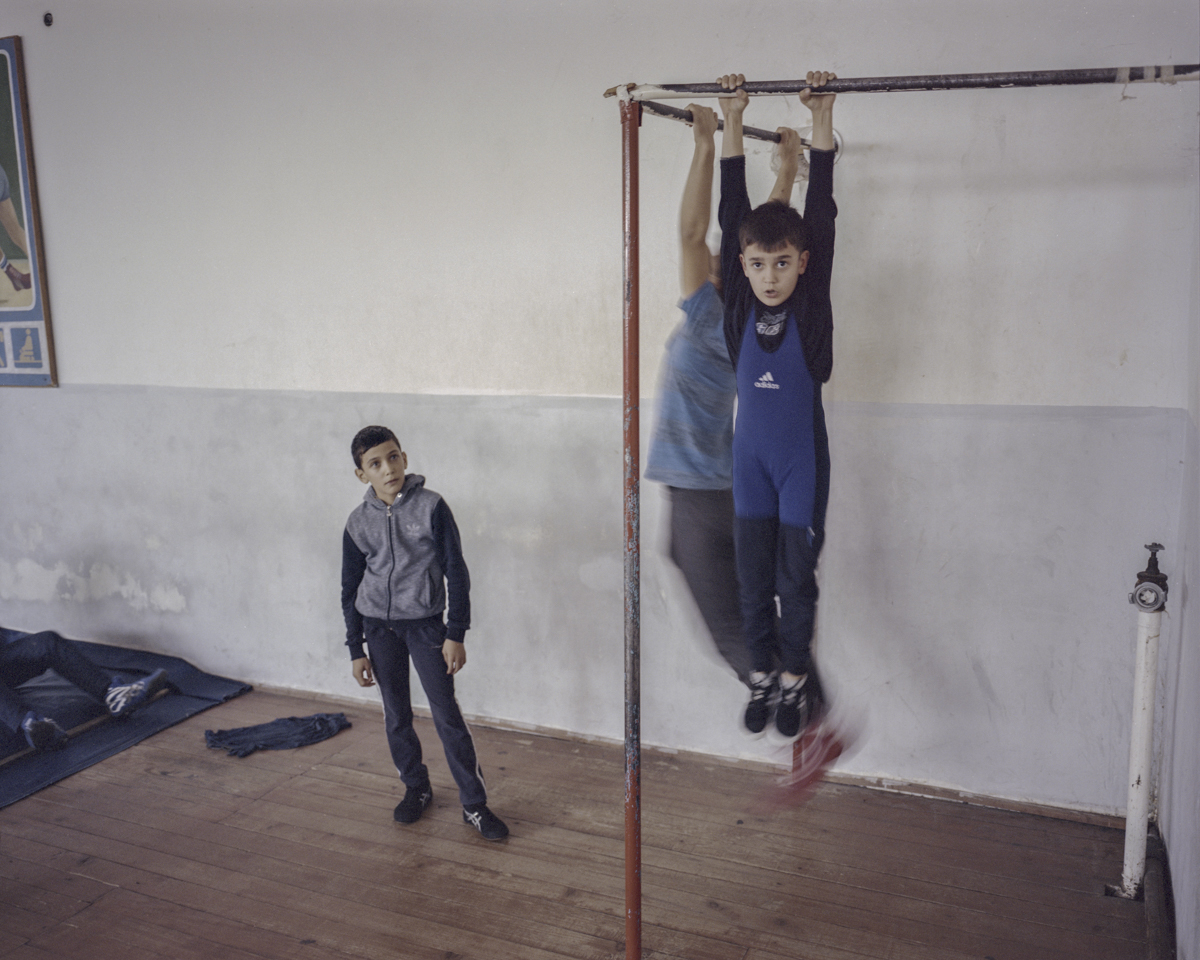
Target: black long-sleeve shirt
[809, 303]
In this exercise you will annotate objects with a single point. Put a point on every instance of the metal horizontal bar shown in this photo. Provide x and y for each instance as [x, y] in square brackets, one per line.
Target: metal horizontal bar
[754, 133]
[677, 113]
[1168, 73]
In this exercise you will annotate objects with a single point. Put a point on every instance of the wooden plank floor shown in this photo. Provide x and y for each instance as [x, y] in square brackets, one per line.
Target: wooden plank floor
[173, 851]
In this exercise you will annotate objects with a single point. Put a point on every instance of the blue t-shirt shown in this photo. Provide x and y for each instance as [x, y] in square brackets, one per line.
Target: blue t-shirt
[692, 444]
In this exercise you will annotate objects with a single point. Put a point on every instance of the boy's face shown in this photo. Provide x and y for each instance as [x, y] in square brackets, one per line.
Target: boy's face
[383, 468]
[773, 274]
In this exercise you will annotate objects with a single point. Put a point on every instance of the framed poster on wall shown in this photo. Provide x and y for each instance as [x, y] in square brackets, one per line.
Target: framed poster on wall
[26, 343]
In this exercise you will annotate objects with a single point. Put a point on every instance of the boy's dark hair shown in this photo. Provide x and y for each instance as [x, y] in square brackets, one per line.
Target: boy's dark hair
[773, 226]
[369, 437]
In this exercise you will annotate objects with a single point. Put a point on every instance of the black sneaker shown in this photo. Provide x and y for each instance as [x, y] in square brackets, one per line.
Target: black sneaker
[490, 826]
[123, 699]
[416, 801]
[42, 733]
[762, 687]
[794, 710]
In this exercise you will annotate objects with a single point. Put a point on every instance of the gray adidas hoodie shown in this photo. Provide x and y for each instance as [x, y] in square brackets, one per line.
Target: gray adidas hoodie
[399, 560]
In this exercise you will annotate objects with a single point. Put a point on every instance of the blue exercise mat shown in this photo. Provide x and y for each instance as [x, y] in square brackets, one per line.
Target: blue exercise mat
[190, 692]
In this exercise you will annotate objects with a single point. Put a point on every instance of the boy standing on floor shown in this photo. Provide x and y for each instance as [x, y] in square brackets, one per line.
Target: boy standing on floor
[691, 449]
[776, 268]
[401, 559]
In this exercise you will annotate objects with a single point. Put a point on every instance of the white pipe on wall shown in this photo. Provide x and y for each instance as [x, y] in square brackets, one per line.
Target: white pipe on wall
[1137, 807]
[1149, 596]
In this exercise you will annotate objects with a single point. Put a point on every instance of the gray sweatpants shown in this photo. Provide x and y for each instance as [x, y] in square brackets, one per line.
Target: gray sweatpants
[702, 547]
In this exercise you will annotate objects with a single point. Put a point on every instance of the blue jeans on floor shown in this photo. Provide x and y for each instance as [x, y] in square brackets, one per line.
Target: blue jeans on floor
[390, 645]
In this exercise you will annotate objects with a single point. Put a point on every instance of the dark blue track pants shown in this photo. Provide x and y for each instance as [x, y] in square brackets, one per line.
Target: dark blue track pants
[390, 644]
[776, 558]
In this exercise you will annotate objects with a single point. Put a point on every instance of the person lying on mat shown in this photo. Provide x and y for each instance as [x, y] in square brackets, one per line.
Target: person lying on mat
[24, 656]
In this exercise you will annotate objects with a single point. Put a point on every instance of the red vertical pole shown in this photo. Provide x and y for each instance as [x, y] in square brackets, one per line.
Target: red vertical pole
[631, 117]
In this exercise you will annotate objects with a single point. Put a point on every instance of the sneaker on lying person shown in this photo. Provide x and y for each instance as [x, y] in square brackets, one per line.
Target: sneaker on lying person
[122, 699]
[42, 733]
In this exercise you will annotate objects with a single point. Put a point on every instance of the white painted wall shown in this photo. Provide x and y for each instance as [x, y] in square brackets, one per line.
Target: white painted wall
[975, 578]
[310, 186]
[267, 223]
[1179, 746]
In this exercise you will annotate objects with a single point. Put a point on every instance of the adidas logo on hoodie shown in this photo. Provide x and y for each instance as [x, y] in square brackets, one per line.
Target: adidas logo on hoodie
[766, 382]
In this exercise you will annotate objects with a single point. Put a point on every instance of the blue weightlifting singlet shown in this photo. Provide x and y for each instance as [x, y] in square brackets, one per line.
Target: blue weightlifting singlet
[774, 445]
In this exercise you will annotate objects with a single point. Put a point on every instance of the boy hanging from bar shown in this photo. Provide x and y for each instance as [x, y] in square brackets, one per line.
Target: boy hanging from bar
[691, 449]
[776, 267]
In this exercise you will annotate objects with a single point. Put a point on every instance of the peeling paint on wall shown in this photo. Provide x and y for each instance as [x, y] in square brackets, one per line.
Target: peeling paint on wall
[29, 538]
[29, 581]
